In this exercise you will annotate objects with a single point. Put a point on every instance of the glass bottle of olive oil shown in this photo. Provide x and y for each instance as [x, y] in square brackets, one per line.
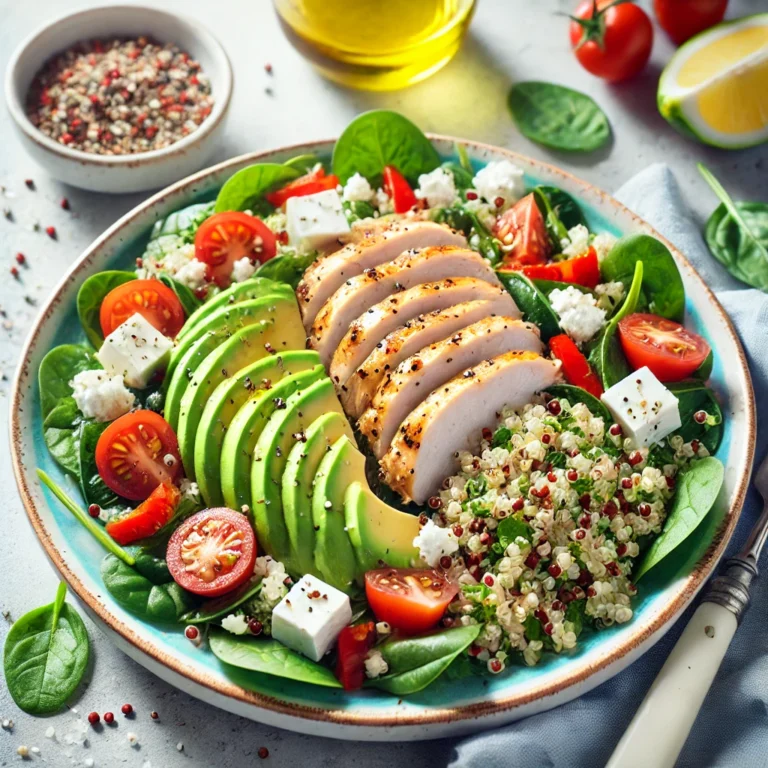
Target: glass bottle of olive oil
[376, 44]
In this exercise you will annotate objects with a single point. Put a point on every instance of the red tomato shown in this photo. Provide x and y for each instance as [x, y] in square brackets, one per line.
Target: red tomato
[136, 453]
[409, 599]
[616, 43]
[351, 650]
[666, 347]
[576, 367]
[539, 271]
[682, 19]
[148, 518]
[153, 300]
[212, 552]
[581, 270]
[523, 234]
[227, 237]
[398, 188]
[311, 183]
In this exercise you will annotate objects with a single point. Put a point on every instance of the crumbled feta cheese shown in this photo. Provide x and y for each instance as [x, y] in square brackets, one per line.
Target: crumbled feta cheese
[315, 220]
[357, 189]
[189, 489]
[609, 295]
[169, 254]
[383, 202]
[192, 274]
[580, 317]
[242, 269]
[101, 396]
[602, 244]
[500, 179]
[135, 350]
[437, 188]
[433, 542]
[375, 665]
[235, 623]
[577, 241]
[646, 410]
[310, 617]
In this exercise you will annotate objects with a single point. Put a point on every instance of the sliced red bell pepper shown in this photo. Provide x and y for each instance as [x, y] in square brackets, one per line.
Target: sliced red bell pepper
[398, 188]
[148, 518]
[576, 367]
[580, 270]
[309, 184]
[352, 648]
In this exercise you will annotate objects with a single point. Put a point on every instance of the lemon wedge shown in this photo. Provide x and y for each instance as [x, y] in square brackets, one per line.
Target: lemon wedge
[715, 88]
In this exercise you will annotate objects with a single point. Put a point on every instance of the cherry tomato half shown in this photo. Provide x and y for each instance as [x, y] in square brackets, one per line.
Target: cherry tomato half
[398, 188]
[523, 234]
[351, 649]
[666, 347]
[136, 453]
[153, 300]
[148, 518]
[212, 552]
[616, 43]
[682, 19]
[227, 237]
[409, 599]
[576, 367]
[313, 182]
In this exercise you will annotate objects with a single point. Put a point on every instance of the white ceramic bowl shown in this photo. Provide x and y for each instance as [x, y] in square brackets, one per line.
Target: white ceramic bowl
[121, 173]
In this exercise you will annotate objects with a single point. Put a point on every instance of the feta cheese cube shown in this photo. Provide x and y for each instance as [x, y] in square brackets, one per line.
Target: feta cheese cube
[646, 410]
[315, 220]
[135, 350]
[310, 617]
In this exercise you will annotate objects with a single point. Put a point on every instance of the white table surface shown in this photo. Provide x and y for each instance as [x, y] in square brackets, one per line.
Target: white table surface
[509, 40]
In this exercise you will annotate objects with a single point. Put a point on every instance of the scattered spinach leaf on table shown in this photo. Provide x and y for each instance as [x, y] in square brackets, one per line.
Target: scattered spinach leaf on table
[558, 117]
[574, 394]
[91, 295]
[45, 656]
[737, 235]
[182, 223]
[269, 657]
[697, 490]
[693, 396]
[379, 138]
[288, 268]
[531, 302]
[246, 189]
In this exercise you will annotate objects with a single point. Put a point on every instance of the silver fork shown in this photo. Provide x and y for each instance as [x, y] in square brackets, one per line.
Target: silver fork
[661, 725]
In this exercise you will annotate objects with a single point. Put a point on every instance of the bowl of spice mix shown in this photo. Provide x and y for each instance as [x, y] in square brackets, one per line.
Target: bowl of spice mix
[121, 98]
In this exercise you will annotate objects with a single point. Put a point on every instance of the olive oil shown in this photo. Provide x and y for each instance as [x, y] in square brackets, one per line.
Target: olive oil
[376, 44]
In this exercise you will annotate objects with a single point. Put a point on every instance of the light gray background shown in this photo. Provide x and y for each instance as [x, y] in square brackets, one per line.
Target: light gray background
[509, 40]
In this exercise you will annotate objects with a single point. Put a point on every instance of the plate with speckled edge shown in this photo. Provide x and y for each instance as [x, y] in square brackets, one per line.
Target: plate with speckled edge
[446, 708]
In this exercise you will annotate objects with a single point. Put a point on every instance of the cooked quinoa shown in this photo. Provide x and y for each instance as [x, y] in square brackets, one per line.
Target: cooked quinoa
[550, 516]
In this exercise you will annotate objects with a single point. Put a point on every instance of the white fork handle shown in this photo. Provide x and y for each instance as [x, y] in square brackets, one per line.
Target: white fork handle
[662, 724]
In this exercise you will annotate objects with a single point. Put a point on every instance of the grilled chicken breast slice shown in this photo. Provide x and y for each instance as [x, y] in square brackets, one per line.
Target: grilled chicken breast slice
[360, 293]
[377, 246]
[423, 451]
[372, 326]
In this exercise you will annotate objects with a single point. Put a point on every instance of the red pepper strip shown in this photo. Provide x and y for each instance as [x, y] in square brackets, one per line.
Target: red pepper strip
[581, 270]
[148, 518]
[311, 183]
[576, 368]
[353, 646]
[398, 188]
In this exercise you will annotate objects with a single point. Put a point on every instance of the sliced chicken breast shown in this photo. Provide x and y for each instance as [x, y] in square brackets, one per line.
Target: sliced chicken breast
[357, 394]
[423, 451]
[372, 326]
[360, 293]
[376, 246]
[413, 380]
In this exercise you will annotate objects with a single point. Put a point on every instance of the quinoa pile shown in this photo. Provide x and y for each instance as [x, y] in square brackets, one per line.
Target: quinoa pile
[550, 517]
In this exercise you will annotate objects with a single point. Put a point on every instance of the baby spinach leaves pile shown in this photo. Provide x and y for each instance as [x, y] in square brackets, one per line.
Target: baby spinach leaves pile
[45, 656]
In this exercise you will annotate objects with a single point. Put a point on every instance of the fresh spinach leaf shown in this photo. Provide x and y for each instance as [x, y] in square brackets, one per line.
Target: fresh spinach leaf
[269, 657]
[160, 603]
[737, 235]
[575, 395]
[692, 397]
[704, 371]
[464, 161]
[531, 302]
[575, 613]
[555, 228]
[415, 662]
[247, 187]
[697, 490]
[303, 163]
[89, 299]
[45, 656]
[564, 207]
[558, 117]
[214, 609]
[86, 520]
[607, 357]
[461, 177]
[182, 223]
[547, 286]
[379, 138]
[152, 567]
[288, 268]
[186, 297]
[95, 490]
[662, 285]
[510, 528]
[61, 432]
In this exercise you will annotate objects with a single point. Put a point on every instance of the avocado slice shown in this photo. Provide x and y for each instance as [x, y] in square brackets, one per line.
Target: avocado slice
[269, 457]
[380, 534]
[334, 554]
[225, 402]
[245, 428]
[249, 344]
[253, 288]
[298, 477]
